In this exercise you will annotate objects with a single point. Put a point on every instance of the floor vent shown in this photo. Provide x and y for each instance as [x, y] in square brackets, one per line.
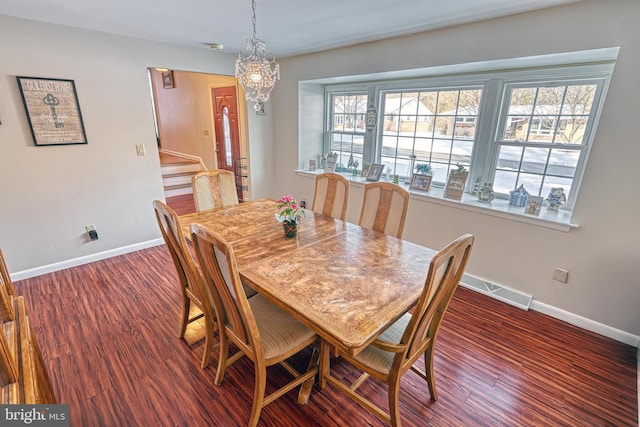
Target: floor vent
[515, 298]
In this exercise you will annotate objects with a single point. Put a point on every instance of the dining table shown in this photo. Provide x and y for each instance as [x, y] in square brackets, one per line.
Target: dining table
[345, 282]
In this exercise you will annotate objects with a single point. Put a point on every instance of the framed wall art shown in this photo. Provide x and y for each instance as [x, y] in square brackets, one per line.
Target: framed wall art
[167, 79]
[52, 110]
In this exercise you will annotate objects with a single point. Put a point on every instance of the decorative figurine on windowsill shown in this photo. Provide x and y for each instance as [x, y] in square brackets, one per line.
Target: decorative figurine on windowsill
[556, 198]
[476, 187]
[486, 194]
[518, 197]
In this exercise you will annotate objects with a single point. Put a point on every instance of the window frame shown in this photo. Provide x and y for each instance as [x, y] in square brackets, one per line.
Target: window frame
[583, 148]
[330, 114]
[491, 118]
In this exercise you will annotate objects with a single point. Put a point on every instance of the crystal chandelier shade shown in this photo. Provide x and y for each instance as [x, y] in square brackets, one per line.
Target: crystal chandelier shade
[256, 70]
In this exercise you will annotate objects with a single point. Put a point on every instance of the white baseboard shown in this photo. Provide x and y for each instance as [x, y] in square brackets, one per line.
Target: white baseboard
[38, 271]
[584, 323]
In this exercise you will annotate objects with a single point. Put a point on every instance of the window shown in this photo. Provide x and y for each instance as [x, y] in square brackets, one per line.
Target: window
[543, 140]
[527, 121]
[346, 128]
[431, 126]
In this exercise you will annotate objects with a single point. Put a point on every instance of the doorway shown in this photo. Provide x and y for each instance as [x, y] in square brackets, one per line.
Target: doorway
[225, 115]
[191, 119]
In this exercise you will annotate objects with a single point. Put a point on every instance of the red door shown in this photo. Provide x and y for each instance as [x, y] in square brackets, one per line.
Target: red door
[225, 113]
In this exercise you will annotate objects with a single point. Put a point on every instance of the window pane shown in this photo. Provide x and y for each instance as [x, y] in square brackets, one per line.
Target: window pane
[447, 102]
[532, 183]
[504, 181]
[461, 152]
[563, 163]
[521, 101]
[509, 158]
[571, 129]
[534, 160]
[551, 182]
[408, 124]
[409, 104]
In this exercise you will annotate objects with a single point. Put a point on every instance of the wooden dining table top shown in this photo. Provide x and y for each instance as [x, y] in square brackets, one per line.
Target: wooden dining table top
[345, 282]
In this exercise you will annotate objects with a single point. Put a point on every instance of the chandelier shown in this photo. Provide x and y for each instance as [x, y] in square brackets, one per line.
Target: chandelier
[256, 70]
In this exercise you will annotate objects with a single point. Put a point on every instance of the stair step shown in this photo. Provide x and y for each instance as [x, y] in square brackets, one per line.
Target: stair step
[178, 174]
[177, 191]
[170, 169]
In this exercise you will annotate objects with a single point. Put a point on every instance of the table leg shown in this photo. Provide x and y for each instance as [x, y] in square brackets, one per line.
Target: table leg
[305, 388]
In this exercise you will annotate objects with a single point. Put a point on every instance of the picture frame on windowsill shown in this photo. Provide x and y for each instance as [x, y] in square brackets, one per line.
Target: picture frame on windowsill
[420, 182]
[375, 172]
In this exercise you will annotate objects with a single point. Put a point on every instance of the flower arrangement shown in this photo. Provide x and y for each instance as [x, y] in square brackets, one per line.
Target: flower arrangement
[424, 168]
[289, 210]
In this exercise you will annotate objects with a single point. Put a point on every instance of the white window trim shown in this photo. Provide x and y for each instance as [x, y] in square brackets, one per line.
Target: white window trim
[591, 64]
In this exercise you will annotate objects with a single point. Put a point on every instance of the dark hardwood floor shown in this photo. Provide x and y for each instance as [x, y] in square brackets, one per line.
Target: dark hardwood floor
[108, 332]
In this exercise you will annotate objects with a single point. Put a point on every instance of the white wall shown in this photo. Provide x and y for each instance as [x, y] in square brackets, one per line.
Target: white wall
[603, 255]
[48, 194]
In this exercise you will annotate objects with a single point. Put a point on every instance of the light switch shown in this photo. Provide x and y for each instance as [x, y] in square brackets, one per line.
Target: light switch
[140, 150]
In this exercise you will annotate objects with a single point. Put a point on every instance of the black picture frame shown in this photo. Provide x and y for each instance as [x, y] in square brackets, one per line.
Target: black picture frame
[53, 110]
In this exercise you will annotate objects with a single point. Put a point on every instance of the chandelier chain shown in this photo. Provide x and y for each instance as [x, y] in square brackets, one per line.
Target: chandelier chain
[253, 7]
[256, 70]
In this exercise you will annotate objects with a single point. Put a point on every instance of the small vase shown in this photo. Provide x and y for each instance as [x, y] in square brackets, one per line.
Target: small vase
[290, 229]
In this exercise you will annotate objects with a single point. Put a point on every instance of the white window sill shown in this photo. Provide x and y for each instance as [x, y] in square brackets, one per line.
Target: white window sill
[556, 220]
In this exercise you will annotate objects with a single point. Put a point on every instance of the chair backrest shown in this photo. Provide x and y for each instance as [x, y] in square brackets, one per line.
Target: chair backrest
[188, 272]
[384, 208]
[331, 195]
[445, 272]
[214, 189]
[222, 279]
[7, 293]
[5, 277]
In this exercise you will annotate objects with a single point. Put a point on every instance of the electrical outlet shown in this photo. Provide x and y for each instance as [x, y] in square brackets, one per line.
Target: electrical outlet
[91, 230]
[560, 275]
[140, 150]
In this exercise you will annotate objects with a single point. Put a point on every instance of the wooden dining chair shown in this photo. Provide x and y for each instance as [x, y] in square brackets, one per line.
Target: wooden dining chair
[7, 292]
[4, 275]
[213, 189]
[398, 348]
[384, 208]
[260, 330]
[189, 275]
[331, 195]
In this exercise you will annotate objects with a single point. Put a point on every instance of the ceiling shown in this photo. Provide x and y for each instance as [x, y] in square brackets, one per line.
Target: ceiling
[289, 27]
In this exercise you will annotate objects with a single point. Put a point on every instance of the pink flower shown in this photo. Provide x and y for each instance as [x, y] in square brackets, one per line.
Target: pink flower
[288, 210]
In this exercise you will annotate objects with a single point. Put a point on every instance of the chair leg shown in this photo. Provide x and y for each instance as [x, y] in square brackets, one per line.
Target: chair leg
[258, 394]
[428, 370]
[186, 308]
[208, 341]
[394, 406]
[222, 358]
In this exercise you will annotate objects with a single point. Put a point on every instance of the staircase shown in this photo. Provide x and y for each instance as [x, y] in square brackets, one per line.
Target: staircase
[177, 172]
